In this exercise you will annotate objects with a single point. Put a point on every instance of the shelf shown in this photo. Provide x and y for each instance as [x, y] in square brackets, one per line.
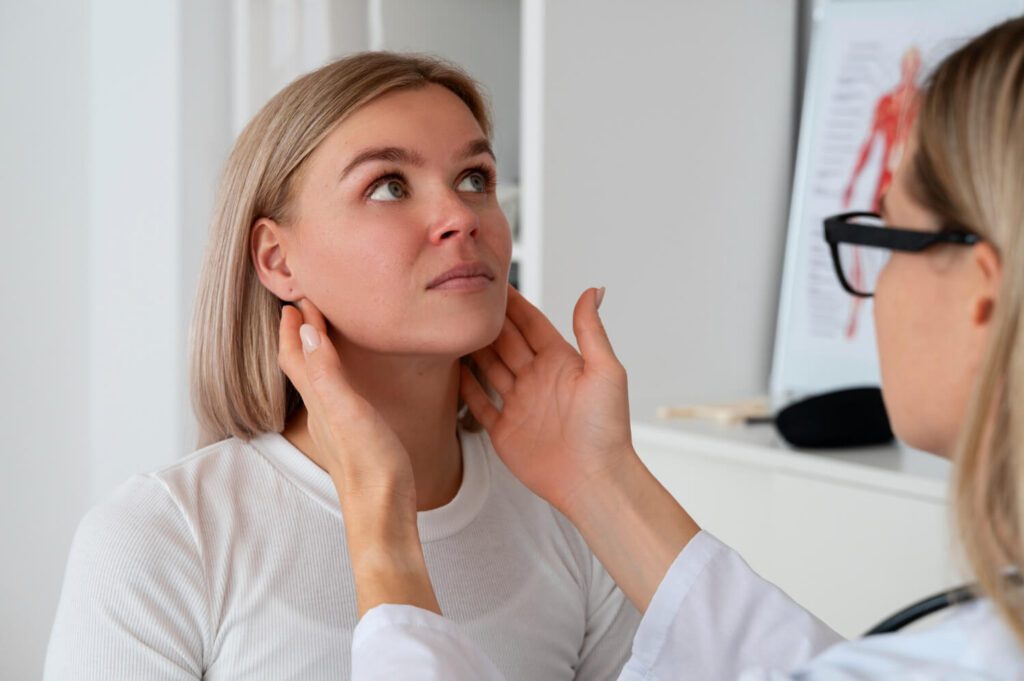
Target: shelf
[893, 468]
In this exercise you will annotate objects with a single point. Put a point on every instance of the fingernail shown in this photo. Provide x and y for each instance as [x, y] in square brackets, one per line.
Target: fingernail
[310, 338]
[599, 297]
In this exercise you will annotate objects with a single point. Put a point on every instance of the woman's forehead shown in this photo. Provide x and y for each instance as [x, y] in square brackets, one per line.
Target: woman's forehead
[431, 121]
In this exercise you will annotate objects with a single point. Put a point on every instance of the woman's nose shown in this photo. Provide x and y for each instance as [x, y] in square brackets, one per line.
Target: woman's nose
[453, 218]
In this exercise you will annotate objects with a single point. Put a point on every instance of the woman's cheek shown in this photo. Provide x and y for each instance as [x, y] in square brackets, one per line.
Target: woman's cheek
[501, 241]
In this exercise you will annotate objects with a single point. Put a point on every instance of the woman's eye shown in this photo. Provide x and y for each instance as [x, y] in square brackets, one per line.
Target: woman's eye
[474, 182]
[392, 190]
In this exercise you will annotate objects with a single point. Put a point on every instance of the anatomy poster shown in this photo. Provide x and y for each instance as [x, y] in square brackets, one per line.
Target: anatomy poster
[868, 62]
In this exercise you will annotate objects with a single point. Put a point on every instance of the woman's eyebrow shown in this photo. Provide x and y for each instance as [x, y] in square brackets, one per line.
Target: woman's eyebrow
[391, 154]
[400, 155]
[881, 205]
[477, 147]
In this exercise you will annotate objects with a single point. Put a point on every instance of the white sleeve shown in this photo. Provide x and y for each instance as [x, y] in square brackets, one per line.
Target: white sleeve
[133, 604]
[405, 642]
[713, 618]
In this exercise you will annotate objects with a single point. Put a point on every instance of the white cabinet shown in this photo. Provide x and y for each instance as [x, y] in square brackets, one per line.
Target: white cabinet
[853, 536]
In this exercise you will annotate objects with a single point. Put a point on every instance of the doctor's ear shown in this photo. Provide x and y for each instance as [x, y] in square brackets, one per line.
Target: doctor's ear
[989, 268]
[268, 248]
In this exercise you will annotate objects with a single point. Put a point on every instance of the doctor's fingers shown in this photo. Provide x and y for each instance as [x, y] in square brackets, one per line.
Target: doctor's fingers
[513, 349]
[289, 348]
[310, 361]
[497, 373]
[535, 328]
[591, 336]
[476, 399]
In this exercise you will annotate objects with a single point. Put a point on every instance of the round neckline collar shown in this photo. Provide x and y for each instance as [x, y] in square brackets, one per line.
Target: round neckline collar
[434, 524]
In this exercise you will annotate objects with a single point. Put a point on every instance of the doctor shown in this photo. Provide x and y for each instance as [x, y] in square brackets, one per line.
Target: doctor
[950, 334]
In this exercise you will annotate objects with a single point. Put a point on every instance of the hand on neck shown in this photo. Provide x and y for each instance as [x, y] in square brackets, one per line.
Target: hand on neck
[417, 397]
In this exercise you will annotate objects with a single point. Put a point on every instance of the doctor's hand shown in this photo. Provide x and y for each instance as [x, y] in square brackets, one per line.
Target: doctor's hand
[564, 419]
[563, 430]
[367, 463]
[354, 444]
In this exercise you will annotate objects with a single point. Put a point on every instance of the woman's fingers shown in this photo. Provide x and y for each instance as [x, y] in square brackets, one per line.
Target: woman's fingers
[494, 370]
[476, 399]
[536, 329]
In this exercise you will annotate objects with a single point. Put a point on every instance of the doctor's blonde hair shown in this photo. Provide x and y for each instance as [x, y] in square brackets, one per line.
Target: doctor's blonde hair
[969, 170]
[237, 387]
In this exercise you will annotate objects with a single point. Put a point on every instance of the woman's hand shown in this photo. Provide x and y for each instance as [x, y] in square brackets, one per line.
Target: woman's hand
[564, 420]
[367, 462]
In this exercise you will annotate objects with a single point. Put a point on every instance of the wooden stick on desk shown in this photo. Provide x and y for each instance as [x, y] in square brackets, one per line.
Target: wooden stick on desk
[728, 413]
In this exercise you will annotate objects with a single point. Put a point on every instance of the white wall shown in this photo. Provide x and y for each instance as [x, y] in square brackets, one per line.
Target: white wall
[160, 132]
[135, 244]
[482, 36]
[44, 144]
[204, 109]
[115, 123]
[668, 133]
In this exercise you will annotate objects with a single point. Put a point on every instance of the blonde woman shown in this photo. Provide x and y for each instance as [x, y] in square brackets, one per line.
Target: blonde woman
[363, 193]
[949, 314]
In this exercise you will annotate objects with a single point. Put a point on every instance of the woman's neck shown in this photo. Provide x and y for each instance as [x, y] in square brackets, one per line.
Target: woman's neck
[417, 397]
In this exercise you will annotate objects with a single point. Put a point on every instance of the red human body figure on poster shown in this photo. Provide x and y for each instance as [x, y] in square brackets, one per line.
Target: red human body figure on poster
[893, 119]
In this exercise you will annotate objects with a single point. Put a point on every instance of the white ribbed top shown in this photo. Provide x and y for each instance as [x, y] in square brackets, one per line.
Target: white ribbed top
[232, 564]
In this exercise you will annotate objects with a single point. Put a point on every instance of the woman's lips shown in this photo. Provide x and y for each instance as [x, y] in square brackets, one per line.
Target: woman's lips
[466, 276]
[474, 283]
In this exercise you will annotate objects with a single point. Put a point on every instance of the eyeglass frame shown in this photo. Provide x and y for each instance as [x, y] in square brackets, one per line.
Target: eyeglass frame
[839, 230]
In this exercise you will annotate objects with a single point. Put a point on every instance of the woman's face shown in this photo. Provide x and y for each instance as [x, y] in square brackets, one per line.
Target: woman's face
[931, 318]
[397, 234]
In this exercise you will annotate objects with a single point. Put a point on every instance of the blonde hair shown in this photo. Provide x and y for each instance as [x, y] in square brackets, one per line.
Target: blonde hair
[237, 387]
[969, 170]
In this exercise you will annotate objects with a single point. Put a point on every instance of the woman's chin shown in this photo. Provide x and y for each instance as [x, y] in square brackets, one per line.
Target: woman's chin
[454, 342]
[439, 334]
[467, 344]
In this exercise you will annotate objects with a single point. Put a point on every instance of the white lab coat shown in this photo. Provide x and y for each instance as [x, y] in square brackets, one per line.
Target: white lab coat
[714, 618]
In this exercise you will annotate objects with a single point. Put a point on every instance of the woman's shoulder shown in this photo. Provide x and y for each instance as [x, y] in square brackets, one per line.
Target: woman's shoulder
[135, 578]
[125, 530]
[161, 505]
[216, 459]
[148, 499]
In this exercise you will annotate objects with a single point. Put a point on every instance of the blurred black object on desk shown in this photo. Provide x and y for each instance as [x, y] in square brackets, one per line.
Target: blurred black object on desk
[852, 417]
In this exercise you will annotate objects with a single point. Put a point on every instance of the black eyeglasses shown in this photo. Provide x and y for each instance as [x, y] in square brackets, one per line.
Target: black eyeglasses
[861, 245]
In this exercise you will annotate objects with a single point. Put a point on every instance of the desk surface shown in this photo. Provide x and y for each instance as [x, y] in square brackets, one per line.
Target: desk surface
[895, 468]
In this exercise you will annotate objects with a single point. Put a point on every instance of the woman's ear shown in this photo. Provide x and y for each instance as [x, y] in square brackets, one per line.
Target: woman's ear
[268, 249]
[989, 269]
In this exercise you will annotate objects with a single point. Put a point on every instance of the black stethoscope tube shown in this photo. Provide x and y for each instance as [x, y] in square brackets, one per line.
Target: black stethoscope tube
[923, 608]
[940, 601]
